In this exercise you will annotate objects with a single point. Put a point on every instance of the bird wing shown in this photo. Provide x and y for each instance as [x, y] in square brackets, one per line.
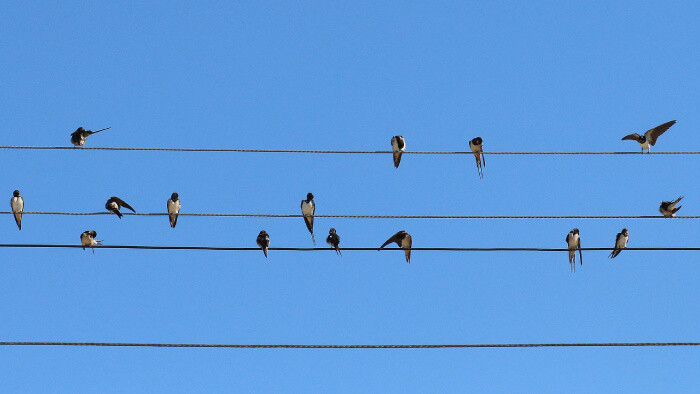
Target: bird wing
[653, 134]
[633, 136]
[123, 203]
[394, 238]
[580, 254]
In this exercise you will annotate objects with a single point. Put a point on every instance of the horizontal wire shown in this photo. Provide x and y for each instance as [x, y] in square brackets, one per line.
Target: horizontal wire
[264, 215]
[331, 151]
[281, 346]
[443, 249]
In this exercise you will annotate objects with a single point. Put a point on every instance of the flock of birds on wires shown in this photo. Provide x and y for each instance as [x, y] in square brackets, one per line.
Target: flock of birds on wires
[402, 238]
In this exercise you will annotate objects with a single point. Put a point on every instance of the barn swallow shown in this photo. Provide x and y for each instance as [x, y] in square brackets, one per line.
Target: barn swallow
[620, 242]
[398, 146]
[573, 241]
[308, 207]
[333, 240]
[173, 209]
[87, 238]
[17, 205]
[476, 145]
[403, 239]
[668, 208]
[114, 204]
[263, 241]
[79, 136]
[649, 138]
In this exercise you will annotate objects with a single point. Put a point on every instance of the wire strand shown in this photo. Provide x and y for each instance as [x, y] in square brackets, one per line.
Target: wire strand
[285, 346]
[264, 215]
[109, 148]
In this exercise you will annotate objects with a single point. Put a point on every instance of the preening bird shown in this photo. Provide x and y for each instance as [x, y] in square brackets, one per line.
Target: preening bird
[333, 240]
[308, 208]
[114, 204]
[620, 242]
[173, 209]
[649, 138]
[87, 238]
[403, 240]
[477, 146]
[398, 146]
[668, 208]
[17, 205]
[573, 241]
[79, 136]
[263, 241]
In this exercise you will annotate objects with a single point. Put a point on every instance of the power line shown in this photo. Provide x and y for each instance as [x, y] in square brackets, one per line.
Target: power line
[265, 215]
[316, 249]
[109, 148]
[282, 346]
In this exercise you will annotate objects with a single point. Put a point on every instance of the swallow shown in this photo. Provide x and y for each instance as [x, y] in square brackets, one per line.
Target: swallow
[404, 240]
[476, 145]
[668, 208]
[398, 146]
[573, 241]
[114, 204]
[620, 242]
[17, 205]
[333, 240]
[79, 136]
[87, 238]
[263, 241]
[308, 207]
[649, 138]
[173, 209]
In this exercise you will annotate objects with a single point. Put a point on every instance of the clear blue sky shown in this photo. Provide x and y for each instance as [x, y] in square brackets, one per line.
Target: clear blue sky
[349, 75]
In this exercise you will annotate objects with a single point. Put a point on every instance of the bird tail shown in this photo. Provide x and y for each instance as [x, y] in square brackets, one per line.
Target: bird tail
[118, 213]
[265, 251]
[18, 220]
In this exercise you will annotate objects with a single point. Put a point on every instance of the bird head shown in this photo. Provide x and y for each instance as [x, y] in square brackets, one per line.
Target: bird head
[15, 193]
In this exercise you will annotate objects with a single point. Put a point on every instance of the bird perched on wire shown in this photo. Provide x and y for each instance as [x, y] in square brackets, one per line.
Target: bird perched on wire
[398, 146]
[173, 209]
[87, 238]
[114, 204]
[668, 208]
[649, 138]
[17, 205]
[333, 240]
[308, 208]
[79, 136]
[263, 241]
[477, 146]
[620, 242]
[403, 240]
[573, 241]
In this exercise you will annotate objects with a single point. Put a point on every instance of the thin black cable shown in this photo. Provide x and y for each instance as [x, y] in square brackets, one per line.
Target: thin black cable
[315, 249]
[266, 215]
[282, 346]
[108, 148]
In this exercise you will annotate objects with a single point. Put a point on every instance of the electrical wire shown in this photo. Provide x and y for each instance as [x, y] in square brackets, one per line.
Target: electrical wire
[281, 346]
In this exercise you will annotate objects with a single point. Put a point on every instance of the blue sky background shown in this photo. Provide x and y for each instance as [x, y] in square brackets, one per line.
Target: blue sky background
[349, 75]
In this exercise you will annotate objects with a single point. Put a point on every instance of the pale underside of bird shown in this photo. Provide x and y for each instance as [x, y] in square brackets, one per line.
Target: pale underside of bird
[573, 241]
[333, 240]
[308, 209]
[669, 209]
[398, 146]
[620, 243]
[173, 206]
[477, 147]
[79, 136]
[17, 205]
[649, 138]
[87, 238]
[263, 241]
[403, 240]
[114, 204]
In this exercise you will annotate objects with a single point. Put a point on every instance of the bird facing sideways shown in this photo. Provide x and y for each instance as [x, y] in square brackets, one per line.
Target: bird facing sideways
[308, 208]
[649, 138]
[17, 205]
[114, 204]
[477, 147]
[403, 240]
[669, 209]
[263, 241]
[620, 242]
[573, 241]
[173, 209]
[398, 146]
[87, 238]
[333, 240]
[79, 136]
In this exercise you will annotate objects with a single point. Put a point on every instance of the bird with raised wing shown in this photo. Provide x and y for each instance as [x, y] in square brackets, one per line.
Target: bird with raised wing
[477, 147]
[87, 238]
[308, 208]
[403, 240]
[620, 242]
[263, 241]
[17, 205]
[573, 241]
[333, 240]
[669, 209]
[114, 204]
[79, 136]
[173, 206]
[398, 146]
[649, 138]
